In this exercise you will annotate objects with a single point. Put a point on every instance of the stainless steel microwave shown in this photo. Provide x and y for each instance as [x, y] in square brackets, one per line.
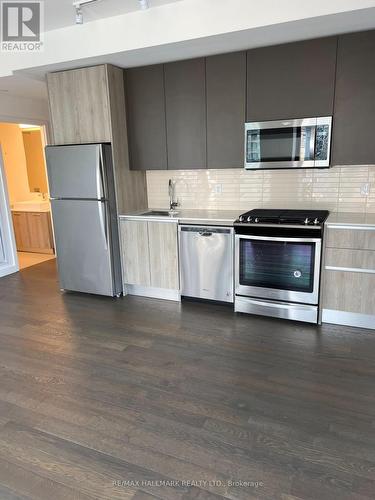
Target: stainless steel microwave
[299, 143]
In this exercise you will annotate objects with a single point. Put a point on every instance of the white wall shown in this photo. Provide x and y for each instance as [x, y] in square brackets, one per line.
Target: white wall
[14, 158]
[8, 252]
[18, 109]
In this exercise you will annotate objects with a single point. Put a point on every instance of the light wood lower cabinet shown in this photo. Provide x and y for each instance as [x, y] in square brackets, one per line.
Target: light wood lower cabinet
[33, 232]
[349, 277]
[163, 254]
[135, 252]
[150, 256]
[352, 292]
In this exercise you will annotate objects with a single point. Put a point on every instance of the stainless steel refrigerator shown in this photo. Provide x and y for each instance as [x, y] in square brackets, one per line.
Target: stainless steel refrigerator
[84, 212]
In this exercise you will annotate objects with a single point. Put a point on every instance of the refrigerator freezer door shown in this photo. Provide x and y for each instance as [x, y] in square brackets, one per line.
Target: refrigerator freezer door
[83, 246]
[76, 171]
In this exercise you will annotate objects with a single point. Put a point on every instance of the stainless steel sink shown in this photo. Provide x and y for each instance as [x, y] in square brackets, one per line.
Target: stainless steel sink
[159, 213]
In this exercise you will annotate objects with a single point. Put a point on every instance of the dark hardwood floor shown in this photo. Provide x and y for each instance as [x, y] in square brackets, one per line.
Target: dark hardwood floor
[134, 398]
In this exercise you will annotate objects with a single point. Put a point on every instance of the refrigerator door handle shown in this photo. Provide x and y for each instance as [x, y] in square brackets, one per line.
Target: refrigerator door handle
[100, 177]
[103, 221]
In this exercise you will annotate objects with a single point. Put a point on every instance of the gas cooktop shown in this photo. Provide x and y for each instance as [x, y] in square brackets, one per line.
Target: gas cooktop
[284, 217]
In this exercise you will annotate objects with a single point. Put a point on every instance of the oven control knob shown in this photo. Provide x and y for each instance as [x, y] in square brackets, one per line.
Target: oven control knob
[241, 218]
[297, 273]
[256, 219]
[316, 221]
[249, 219]
[307, 220]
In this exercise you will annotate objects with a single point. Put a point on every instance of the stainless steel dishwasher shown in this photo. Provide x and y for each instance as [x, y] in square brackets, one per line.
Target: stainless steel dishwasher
[206, 262]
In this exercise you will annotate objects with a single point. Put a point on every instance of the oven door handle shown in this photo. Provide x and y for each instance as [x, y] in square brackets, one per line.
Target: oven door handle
[278, 305]
[277, 238]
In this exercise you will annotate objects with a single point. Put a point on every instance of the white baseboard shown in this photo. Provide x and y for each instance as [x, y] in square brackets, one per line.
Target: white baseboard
[348, 318]
[152, 292]
[5, 270]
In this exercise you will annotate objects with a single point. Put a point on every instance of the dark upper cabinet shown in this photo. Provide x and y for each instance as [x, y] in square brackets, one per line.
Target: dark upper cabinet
[294, 80]
[185, 95]
[146, 118]
[226, 105]
[354, 120]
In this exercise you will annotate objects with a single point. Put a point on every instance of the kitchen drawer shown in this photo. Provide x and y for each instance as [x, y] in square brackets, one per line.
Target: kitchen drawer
[348, 259]
[350, 237]
[349, 291]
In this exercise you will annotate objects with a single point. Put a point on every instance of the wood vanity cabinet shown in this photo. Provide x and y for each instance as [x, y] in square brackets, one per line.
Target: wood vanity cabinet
[349, 276]
[21, 231]
[354, 122]
[33, 232]
[294, 80]
[149, 255]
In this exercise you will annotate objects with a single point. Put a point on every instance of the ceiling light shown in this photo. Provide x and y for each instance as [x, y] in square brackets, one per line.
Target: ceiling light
[78, 4]
[144, 4]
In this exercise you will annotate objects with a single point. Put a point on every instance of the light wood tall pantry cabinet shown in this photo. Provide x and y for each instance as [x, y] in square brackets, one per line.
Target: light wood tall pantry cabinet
[87, 105]
[79, 105]
[150, 253]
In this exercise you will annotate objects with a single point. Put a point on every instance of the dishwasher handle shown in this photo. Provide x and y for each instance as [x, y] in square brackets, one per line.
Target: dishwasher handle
[205, 230]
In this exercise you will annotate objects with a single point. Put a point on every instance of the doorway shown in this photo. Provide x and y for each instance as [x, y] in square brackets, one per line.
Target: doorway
[25, 172]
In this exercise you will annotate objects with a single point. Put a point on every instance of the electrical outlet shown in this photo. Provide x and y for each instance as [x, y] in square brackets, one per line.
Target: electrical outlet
[218, 188]
[365, 189]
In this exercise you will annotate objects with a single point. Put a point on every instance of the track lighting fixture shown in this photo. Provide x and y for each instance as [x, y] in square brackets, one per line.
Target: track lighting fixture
[79, 15]
[78, 4]
[144, 4]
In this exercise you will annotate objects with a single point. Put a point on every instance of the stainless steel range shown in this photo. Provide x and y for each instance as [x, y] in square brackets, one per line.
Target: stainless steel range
[278, 263]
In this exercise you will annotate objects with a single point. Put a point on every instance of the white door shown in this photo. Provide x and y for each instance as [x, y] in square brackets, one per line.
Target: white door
[8, 250]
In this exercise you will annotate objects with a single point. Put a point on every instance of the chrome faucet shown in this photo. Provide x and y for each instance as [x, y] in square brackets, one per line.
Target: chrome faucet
[171, 191]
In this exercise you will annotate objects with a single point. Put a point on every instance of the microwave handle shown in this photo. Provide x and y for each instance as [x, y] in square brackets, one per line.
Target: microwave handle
[312, 145]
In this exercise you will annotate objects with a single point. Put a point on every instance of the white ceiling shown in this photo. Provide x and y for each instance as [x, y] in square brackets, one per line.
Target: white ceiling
[61, 13]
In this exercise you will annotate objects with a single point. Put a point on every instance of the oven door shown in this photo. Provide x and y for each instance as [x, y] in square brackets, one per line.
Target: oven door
[285, 269]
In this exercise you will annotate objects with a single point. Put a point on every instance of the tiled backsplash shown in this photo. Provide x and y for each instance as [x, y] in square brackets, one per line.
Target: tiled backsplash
[343, 189]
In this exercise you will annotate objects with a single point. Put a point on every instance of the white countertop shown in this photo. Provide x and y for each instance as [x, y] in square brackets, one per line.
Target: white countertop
[214, 217]
[350, 219]
[227, 217]
[31, 206]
